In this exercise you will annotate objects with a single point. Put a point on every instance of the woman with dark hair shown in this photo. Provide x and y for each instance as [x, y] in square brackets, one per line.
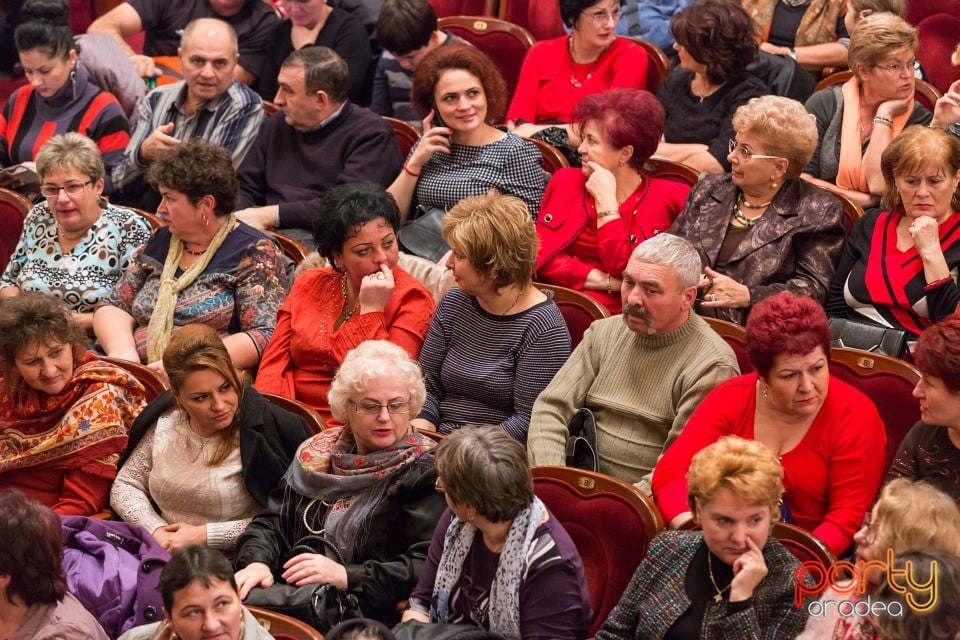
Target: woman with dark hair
[558, 74]
[200, 601]
[715, 43]
[828, 435]
[498, 559]
[64, 414]
[175, 485]
[760, 229]
[60, 96]
[203, 267]
[592, 218]
[34, 603]
[460, 94]
[361, 295]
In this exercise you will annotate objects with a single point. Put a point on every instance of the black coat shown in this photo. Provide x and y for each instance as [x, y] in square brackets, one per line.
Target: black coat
[269, 437]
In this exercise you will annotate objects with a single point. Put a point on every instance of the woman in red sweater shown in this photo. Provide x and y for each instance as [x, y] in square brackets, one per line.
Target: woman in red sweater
[592, 218]
[828, 436]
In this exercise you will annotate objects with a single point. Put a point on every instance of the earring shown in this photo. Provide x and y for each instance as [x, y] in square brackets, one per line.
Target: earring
[763, 391]
[773, 184]
[206, 220]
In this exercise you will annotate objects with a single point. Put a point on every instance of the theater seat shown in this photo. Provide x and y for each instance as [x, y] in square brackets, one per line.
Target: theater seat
[314, 421]
[939, 36]
[539, 17]
[506, 43]
[152, 382]
[13, 210]
[578, 309]
[444, 8]
[284, 627]
[804, 546]
[735, 336]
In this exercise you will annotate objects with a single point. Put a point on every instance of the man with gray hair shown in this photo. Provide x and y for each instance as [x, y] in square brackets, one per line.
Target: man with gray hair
[641, 374]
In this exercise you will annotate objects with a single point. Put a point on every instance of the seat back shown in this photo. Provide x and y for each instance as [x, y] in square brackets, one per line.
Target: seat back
[888, 382]
[13, 210]
[293, 249]
[805, 547]
[658, 64]
[918, 10]
[405, 133]
[153, 383]
[152, 219]
[314, 421]
[852, 212]
[284, 627]
[550, 157]
[611, 522]
[444, 8]
[506, 43]
[939, 34]
[924, 92]
[539, 17]
[658, 167]
[578, 310]
[735, 336]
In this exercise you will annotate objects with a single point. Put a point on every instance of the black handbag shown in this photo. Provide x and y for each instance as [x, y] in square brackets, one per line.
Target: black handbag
[415, 630]
[853, 334]
[581, 446]
[422, 237]
[322, 606]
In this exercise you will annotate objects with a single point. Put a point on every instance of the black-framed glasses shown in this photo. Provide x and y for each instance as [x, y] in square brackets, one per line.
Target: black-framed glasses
[870, 535]
[373, 408]
[745, 154]
[71, 189]
[897, 67]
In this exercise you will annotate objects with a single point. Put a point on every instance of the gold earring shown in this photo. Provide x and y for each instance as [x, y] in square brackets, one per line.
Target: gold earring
[206, 220]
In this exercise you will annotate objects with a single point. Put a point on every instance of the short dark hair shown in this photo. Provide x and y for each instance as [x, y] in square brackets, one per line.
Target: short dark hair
[786, 323]
[347, 207]
[32, 550]
[718, 34]
[198, 562]
[484, 467]
[631, 117]
[45, 27]
[198, 168]
[570, 9]
[405, 25]
[34, 316]
[323, 70]
[469, 59]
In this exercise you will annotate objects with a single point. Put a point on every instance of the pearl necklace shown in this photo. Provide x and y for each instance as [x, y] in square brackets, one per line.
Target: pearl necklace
[742, 219]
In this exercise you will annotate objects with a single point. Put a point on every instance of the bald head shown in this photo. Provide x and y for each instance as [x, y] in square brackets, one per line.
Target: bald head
[208, 57]
[211, 31]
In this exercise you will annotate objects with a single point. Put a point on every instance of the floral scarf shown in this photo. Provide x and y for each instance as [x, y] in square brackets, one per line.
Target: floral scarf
[818, 25]
[82, 427]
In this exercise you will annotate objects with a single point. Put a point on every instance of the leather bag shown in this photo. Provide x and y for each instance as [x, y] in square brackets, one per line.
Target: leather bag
[422, 236]
[853, 334]
[581, 448]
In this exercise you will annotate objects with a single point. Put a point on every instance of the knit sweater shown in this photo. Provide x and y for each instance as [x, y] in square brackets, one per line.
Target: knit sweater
[641, 388]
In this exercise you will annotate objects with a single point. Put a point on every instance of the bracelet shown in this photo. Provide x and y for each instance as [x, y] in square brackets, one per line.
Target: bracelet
[793, 54]
[607, 214]
[609, 288]
[409, 171]
[884, 121]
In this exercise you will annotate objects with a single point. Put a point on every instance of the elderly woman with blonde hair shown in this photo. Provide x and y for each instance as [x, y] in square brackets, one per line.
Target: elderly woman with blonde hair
[731, 579]
[760, 229]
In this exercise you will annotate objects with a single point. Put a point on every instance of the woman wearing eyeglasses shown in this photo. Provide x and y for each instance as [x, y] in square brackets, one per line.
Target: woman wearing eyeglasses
[760, 229]
[858, 119]
[75, 245]
[361, 496]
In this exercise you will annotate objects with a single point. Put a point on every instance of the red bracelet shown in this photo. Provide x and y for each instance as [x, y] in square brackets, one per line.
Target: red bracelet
[407, 170]
[937, 283]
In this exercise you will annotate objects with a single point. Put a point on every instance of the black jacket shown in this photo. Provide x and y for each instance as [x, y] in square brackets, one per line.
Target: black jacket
[269, 437]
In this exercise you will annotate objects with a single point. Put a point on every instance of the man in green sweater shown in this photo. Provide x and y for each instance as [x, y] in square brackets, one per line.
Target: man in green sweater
[643, 373]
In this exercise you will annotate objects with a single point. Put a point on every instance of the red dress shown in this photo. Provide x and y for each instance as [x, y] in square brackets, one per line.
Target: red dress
[571, 245]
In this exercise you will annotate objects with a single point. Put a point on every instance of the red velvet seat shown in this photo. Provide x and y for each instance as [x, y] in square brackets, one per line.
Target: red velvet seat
[804, 546]
[939, 36]
[539, 17]
[658, 167]
[284, 627]
[658, 64]
[444, 8]
[735, 336]
[611, 523]
[917, 10]
[13, 209]
[550, 157]
[405, 133]
[314, 421]
[578, 309]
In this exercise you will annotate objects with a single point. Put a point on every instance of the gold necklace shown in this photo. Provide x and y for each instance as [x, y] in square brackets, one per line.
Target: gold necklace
[346, 315]
[515, 301]
[63, 234]
[742, 219]
[719, 596]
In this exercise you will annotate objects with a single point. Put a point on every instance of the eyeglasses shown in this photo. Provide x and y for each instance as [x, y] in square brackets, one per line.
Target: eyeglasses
[601, 17]
[745, 154]
[71, 189]
[371, 408]
[871, 535]
[898, 67]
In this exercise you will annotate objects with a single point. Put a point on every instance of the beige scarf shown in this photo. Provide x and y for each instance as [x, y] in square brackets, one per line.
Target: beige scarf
[161, 322]
[818, 25]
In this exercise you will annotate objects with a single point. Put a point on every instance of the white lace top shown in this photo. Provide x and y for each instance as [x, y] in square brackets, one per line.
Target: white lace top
[168, 468]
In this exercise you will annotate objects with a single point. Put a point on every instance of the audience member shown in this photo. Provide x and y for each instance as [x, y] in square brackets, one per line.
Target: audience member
[34, 602]
[857, 120]
[163, 21]
[827, 434]
[64, 414]
[175, 485]
[937, 621]
[592, 218]
[678, 590]
[320, 139]
[650, 20]
[496, 339]
[760, 229]
[363, 493]
[60, 97]
[362, 295]
[407, 31]
[204, 267]
[715, 43]
[931, 449]
[75, 245]
[200, 601]
[946, 113]
[643, 373]
[896, 266]
[498, 559]
[311, 23]
[208, 103]
[808, 33]
[459, 89]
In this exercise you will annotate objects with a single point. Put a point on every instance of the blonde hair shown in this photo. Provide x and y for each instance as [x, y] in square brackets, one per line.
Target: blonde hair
[746, 467]
[72, 150]
[784, 126]
[914, 515]
[497, 235]
[878, 36]
[373, 359]
[917, 147]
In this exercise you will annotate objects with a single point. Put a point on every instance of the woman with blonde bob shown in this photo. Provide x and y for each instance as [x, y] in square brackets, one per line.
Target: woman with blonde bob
[203, 457]
[496, 340]
[760, 229]
[908, 515]
[729, 580]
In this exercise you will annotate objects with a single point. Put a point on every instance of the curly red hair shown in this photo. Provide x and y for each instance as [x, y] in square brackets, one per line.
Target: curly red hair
[628, 117]
[786, 323]
[938, 352]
